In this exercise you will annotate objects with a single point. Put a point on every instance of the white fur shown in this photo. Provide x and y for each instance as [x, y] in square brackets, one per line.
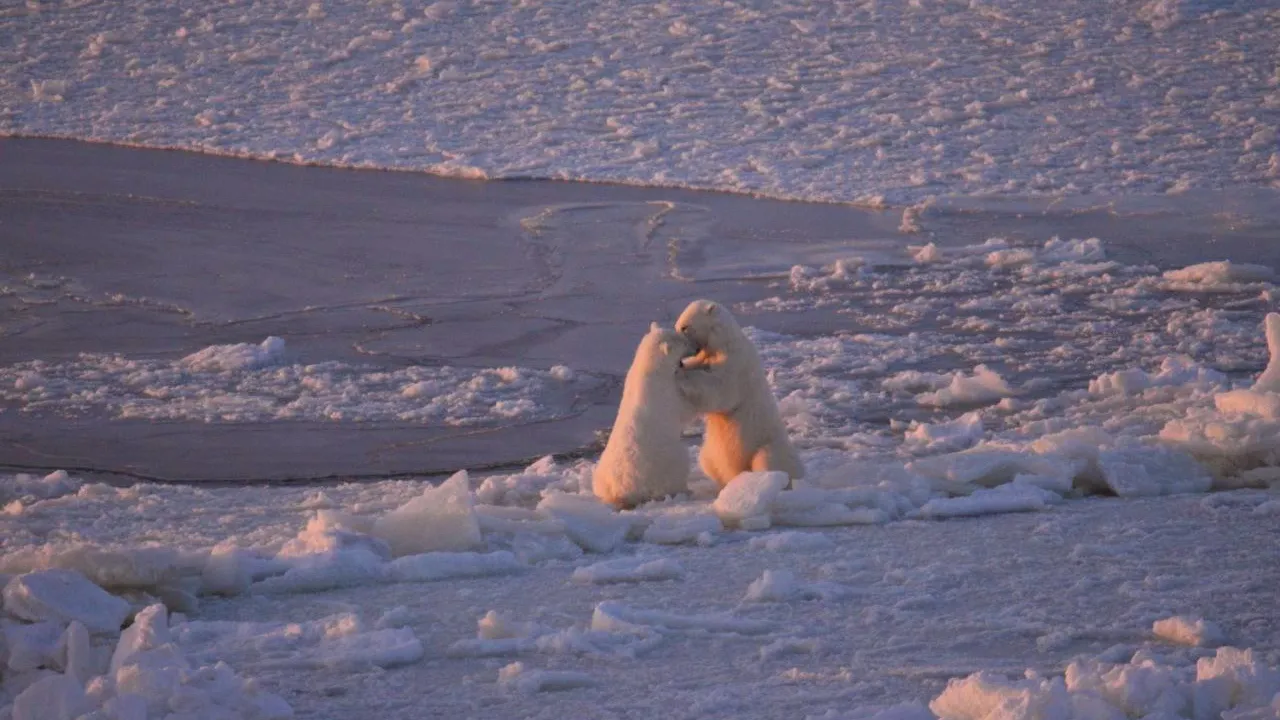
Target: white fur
[727, 382]
[645, 458]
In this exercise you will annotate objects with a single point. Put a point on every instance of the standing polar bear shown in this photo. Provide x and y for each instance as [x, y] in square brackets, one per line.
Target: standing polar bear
[727, 382]
[645, 459]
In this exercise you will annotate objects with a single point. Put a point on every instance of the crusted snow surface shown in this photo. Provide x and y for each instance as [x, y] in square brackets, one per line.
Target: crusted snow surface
[847, 101]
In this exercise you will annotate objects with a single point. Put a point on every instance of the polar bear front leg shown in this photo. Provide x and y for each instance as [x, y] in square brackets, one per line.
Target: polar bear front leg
[708, 388]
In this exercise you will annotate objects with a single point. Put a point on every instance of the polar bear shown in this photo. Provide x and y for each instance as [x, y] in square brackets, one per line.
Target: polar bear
[726, 381]
[645, 459]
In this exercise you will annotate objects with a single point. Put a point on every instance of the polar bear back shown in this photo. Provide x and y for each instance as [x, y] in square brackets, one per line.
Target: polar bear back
[645, 458]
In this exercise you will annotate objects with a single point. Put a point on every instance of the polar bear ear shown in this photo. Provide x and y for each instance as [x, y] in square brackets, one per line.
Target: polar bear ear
[655, 327]
[712, 308]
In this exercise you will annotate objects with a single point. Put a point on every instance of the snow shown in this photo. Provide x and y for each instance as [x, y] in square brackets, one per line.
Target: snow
[850, 102]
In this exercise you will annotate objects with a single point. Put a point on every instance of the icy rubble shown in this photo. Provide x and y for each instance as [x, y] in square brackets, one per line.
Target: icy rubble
[67, 596]
[1224, 438]
[1231, 684]
[145, 673]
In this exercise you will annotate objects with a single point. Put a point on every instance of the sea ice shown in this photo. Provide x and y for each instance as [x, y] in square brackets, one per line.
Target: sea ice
[1214, 275]
[588, 522]
[629, 570]
[773, 586]
[147, 567]
[1185, 630]
[679, 528]
[445, 565]
[29, 646]
[240, 356]
[25, 486]
[791, 541]
[1006, 498]
[149, 665]
[524, 680]
[496, 626]
[1250, 683]
[228, 571]
[342, 641]
[64, 596]
[54, 697]
[441, 518]
[956, 434]
[615, 617]
[983, 386]
[1147, 471]
[1173, 371]
[748, 496]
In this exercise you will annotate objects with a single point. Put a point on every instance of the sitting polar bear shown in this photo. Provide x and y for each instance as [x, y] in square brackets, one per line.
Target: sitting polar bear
[645, 459]
[726, 381]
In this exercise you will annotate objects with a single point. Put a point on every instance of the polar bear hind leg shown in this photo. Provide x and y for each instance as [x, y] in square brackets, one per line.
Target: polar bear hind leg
[722, 456]
[780, 458]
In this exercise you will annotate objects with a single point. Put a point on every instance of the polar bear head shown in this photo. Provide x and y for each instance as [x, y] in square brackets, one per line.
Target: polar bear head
[708, 325]
[661, 350]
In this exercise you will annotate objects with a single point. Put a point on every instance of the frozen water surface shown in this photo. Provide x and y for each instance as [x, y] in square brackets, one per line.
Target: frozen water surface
[1025, 345]
[848, 101]
[959, 394]
[399, 324]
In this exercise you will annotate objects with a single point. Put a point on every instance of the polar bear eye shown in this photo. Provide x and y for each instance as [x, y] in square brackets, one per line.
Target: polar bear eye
[682, 328]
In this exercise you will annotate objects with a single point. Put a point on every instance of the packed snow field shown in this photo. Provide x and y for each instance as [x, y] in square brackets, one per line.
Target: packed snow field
[1013, 381]
[851, 101]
